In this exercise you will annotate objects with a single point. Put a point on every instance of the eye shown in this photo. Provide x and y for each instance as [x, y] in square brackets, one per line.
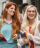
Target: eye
[28, 11]
[11, 8]
[31, 11]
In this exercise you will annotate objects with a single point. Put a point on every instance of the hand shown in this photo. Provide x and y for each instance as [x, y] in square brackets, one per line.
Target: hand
[31, 37]
[1, 35]
[15, 37]
[26, 40]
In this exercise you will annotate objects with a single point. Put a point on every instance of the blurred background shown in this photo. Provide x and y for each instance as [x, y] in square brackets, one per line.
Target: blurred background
[20, 2]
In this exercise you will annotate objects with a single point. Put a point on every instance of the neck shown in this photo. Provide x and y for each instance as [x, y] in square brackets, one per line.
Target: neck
[31, 22]
[9, 17]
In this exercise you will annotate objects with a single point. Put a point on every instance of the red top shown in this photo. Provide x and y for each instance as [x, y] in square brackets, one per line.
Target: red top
[32, 43]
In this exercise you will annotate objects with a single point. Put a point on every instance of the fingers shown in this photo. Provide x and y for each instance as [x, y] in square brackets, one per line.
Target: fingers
[26, 41]
[15, 37]
[1, 35]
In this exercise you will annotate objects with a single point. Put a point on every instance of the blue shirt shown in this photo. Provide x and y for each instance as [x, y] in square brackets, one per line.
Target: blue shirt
[7, 31]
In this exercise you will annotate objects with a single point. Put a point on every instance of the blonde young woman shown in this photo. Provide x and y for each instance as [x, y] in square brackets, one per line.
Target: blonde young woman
[30, 22]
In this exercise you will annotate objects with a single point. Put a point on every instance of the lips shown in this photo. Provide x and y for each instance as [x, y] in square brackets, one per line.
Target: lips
[31, 15]
[13, 12]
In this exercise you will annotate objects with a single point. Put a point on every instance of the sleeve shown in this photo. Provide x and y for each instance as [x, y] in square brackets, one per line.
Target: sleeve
[36, 37]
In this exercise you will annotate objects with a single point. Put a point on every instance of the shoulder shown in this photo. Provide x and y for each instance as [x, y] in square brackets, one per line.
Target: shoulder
[38, 23]
[39, 26]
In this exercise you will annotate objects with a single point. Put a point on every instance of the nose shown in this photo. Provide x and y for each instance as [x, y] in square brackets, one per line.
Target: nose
[13, 9]
[31, 12]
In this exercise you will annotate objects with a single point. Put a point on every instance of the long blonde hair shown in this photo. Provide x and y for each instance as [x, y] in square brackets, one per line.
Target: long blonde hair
[25, 24]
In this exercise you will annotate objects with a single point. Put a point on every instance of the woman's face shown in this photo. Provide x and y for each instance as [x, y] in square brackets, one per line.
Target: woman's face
[31, 13]
[11, 10]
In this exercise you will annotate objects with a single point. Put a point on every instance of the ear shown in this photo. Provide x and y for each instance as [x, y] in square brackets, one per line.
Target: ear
[6, 9]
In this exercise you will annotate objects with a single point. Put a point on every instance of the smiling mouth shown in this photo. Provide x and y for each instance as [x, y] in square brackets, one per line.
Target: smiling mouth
[12, 11]
[31, 15]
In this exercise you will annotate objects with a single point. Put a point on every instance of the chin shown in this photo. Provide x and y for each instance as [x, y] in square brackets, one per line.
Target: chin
[12, 14]
[31, 18]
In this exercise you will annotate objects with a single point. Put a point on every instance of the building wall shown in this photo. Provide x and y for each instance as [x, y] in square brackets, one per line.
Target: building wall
[27, 1]
[2, 5]
[37, 4]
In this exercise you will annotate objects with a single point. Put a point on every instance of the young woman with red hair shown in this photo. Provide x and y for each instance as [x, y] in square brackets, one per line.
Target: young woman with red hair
[11, 26]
